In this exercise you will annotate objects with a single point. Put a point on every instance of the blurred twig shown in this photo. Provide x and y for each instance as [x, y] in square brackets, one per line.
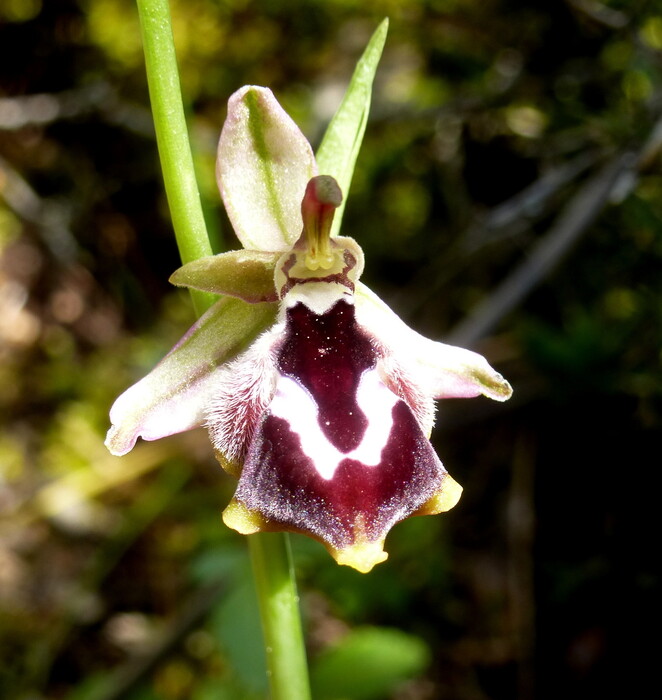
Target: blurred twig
[45, 108]
[509, 219]
[515, 214]
[601, 13]
[574, 220]
[50, 215]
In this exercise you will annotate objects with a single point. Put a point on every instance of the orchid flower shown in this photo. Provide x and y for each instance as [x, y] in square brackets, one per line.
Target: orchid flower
[316, 395]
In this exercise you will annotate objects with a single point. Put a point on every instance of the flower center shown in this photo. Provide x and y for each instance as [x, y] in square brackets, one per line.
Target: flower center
[331, 266]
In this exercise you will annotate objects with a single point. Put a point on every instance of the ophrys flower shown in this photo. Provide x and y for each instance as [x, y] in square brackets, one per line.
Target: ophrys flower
[316, 395]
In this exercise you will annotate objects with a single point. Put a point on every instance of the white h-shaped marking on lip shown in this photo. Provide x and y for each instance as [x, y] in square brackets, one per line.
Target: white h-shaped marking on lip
[296, 405]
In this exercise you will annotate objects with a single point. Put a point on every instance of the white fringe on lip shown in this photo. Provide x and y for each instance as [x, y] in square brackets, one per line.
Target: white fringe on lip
[242, 393]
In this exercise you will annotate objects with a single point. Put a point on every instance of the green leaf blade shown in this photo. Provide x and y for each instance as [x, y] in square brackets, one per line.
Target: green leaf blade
[340, 146]
[368, 664]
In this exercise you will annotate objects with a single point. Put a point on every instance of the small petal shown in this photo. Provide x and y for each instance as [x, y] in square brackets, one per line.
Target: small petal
[446, 370]
[173, 396]
[264, 163]
[245, 274]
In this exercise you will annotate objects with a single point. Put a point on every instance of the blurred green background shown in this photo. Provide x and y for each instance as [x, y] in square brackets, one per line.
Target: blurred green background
[508, 197]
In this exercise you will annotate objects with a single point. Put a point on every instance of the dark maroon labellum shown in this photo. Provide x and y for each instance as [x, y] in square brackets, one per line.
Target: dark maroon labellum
[337, 454]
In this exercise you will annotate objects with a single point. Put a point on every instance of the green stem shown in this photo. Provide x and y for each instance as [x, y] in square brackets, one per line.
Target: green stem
[279, 611]
[172, 138]
[270, 553]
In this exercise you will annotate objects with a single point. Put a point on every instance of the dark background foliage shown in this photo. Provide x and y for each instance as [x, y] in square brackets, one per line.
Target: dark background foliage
[508, 197]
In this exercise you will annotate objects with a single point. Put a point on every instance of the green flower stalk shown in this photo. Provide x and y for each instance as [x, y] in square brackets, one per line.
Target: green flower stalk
[172, 137]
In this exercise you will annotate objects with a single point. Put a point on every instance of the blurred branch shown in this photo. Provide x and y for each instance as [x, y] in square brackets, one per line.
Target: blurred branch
[507, 220]
[601, 13]
[574, 220]
[514, 215]
[50, 215]
[646, 158]
[45, 108]
[611, 184]
[652, 147]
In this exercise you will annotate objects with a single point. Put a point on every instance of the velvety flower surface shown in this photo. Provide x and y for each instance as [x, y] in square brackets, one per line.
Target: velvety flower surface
[316, 395]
